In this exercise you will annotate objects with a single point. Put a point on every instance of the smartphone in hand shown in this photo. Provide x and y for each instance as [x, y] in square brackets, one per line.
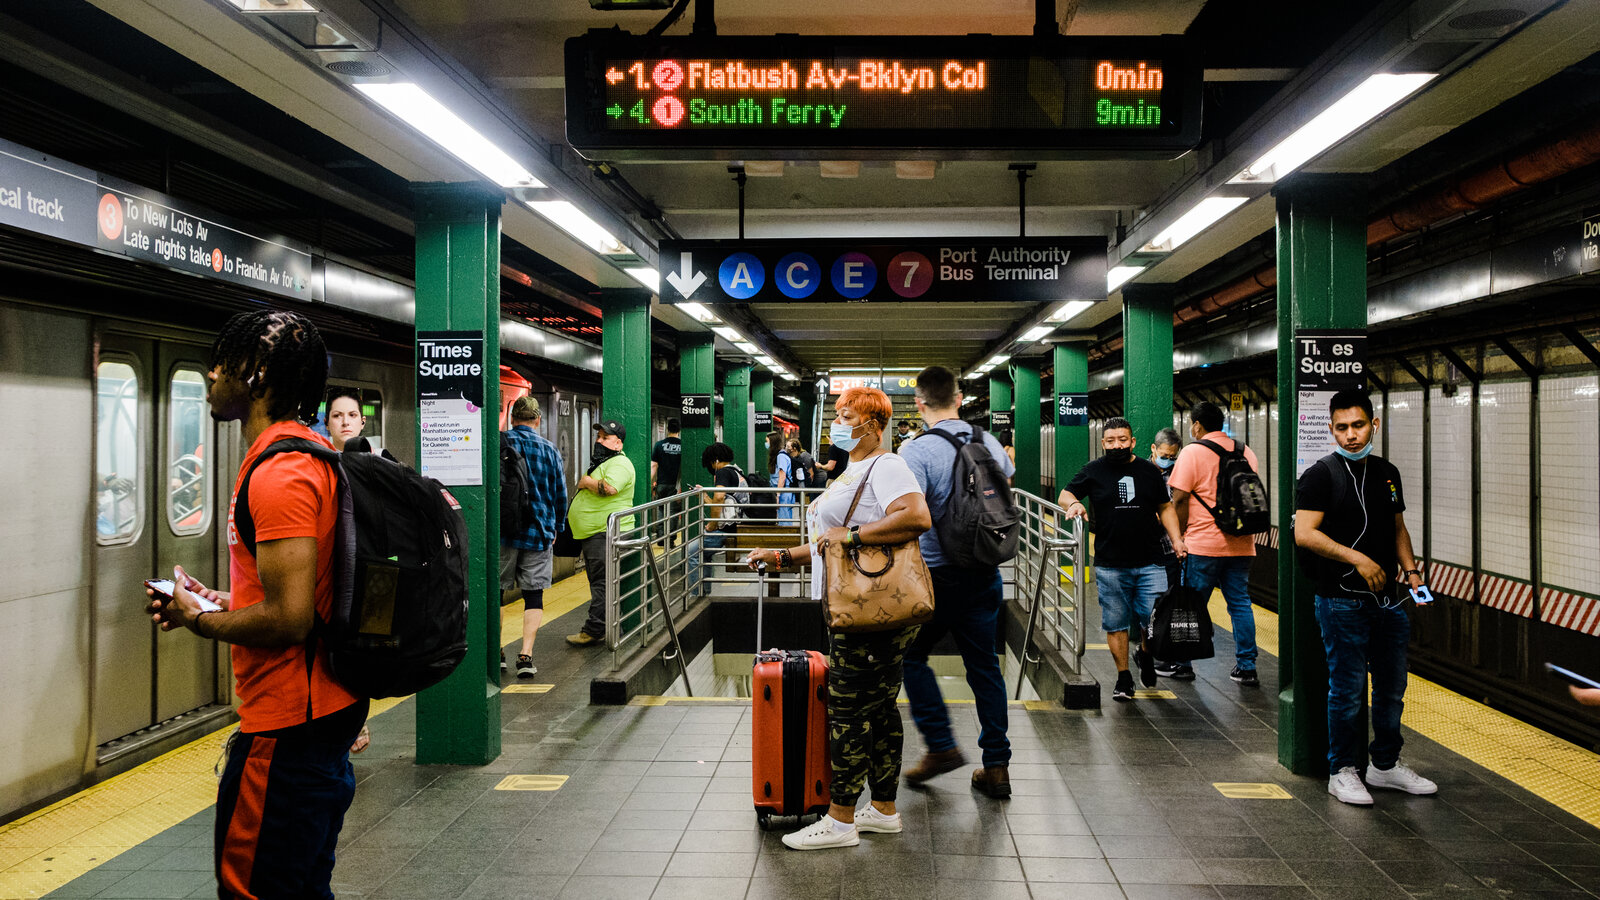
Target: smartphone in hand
[1571, 677]
[1421, 595]
[163, 588]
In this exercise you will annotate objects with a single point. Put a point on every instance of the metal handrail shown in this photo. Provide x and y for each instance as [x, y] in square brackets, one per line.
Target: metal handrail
[1055, 605]
[666, 612]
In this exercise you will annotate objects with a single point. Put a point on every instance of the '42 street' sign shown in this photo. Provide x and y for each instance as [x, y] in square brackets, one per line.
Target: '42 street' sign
[1049, 269]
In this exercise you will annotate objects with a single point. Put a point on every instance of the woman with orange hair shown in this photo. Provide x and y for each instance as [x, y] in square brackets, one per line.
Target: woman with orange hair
[865, 735]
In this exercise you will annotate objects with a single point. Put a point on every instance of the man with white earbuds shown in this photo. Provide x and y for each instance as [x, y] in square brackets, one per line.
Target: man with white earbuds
[1350, 526]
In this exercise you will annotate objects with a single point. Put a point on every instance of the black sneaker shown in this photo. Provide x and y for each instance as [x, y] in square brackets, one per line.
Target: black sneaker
[1123, 692]
[525, 666]
[1147, 668]
[1246, 677]
[1175, 671]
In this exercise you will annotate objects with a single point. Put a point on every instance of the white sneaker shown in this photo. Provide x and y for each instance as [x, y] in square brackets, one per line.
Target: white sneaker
[821, 835]
[1346, 786]
[869, 819]
[1400, 778]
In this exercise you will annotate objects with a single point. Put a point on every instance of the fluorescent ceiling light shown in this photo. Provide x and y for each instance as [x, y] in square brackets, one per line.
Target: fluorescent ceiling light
[417, 108]
[273, 6]
[746, 346]
[1119, 275]
[765, 360]
[647, 277]
[1035, 333]
[698, 311]
[998, 359]
[1363, 104]
[727, 333]
[573, 221]
[1194, 221]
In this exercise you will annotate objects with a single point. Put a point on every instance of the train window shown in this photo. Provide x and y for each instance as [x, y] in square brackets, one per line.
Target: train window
[119, 477]
[371, 420]
[188, 464]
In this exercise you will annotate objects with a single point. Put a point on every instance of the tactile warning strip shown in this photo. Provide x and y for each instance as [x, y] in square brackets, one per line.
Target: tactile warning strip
[1546, 766]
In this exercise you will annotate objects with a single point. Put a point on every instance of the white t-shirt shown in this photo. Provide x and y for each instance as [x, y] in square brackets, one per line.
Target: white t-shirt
[888, 479]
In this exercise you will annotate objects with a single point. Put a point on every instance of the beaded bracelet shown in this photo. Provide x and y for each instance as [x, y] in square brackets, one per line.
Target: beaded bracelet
[785, 559]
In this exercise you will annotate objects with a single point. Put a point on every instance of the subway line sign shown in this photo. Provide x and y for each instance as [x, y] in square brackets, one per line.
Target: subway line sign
[806, 97]
[919, 269]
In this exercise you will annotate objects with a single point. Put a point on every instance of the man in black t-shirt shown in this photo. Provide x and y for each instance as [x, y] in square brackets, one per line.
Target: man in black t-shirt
[1350, 527]
[666, 462]
[1132, 509]
[838, 461]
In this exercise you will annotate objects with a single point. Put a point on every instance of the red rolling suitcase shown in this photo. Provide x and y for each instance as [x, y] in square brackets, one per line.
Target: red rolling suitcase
[789, 718]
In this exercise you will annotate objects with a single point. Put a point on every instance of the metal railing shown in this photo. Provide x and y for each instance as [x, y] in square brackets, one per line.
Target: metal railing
[684, 549]
[1048, 575]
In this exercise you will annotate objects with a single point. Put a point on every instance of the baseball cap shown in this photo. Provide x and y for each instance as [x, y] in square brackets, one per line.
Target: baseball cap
[612, 426]
[526, 408]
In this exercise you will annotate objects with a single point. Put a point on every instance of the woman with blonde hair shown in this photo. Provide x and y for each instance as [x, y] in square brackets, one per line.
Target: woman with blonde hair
[865, 734]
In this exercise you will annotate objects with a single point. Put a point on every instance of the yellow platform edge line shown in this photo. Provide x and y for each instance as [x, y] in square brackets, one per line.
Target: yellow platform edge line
[1546, 766]
[125, 810]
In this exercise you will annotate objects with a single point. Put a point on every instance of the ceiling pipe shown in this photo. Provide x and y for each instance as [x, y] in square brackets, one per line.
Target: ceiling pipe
[1465, 194]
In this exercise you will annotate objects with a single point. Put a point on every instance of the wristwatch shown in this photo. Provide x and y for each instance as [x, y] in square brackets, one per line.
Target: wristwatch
[855, 535]
[1417, 572]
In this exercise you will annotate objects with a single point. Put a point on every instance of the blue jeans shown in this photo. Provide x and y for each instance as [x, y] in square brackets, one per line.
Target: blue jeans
[1361, 636]
[1127, 597]
[787, 507]
[1232, 575]
[706, 554]
[966, 604]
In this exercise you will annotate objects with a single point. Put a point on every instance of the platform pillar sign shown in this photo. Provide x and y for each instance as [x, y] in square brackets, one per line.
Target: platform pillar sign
[1028, 417]
[1326, 362]
[736, 414]
[1147, 360]
[761, 396]
[1000, 420]
[1322, 293]
[697, 380]
[458, 385]
[1072, 452]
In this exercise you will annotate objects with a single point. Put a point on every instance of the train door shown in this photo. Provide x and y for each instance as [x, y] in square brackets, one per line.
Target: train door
[583, 435]
[155, 507]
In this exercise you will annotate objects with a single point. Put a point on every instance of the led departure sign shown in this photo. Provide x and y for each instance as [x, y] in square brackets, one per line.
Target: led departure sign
[893, 97]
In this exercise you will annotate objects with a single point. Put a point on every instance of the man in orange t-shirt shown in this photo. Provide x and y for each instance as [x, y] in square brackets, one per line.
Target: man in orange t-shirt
[1216, 560]
[288, 781]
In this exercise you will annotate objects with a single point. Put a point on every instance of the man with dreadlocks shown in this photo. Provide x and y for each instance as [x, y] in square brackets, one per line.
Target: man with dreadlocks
[288, 781]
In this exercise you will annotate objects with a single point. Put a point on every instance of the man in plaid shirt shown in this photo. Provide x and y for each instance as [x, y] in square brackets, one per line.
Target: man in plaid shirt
[525, 564]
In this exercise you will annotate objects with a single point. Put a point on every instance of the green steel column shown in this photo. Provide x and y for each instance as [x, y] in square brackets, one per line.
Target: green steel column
[458, 289]
[625, 376]
[999, 392]
[697, 374]
[1025, 376]
[1072, 442]
[1147, 359]
[736, 413]
[761, 396]
[1322, 283]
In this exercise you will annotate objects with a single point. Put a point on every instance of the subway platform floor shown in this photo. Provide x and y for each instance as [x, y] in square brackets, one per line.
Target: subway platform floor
[1176, 795]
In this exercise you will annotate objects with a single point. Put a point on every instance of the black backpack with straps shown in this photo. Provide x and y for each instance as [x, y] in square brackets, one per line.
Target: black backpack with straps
[399, 617]
[1242, 508]
[516, 494]
[980, 523]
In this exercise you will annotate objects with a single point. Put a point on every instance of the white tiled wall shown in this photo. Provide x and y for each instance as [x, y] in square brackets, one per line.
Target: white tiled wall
[1403, 424]
[1570, 505]
[1451, 447]
[1263, 442]
[1272, 493]
[1503, 530]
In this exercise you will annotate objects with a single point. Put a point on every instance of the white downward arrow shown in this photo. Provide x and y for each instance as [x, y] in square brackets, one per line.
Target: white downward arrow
[686, 280]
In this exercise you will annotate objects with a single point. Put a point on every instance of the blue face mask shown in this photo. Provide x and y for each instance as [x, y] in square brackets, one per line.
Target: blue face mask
[1355, 456]
[1165, 462]
[843, 437]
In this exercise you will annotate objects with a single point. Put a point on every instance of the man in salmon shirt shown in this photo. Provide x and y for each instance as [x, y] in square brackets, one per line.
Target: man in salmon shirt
[1216, 560]
[288, 781]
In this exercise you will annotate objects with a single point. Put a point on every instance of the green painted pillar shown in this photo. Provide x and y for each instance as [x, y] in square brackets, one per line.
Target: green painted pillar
[1025, 378]
[999, 393]
[625, 376]
[1147, 359]
[761, 396]
[808, 417]
[1322, 283]
[458, 289]
[697, 374]
[736, 414]
[1072, 441]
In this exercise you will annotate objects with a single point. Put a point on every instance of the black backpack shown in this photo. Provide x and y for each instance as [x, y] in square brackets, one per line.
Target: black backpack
[980, 523]
[516, 495]
[750, 509]
[399, 618]
[1242, 507]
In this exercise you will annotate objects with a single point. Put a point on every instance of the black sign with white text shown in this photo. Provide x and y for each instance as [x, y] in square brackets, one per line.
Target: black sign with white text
[763, 421]
[1000, 420]
[1330, 360]
[1072, 410]
[450, 405]
[696, 411]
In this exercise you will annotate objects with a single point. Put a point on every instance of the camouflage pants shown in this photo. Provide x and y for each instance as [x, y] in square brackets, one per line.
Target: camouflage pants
[864, 730]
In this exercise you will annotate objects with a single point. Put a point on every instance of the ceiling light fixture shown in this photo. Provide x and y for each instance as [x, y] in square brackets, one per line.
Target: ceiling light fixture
[1117, 276]
[1036, 333]
[1191, 223]
[999, 359]
[698, 311]
[647, 277]
[1366, 102]
[727, 333]
[573, 221]
[746, 346]
[417, 108]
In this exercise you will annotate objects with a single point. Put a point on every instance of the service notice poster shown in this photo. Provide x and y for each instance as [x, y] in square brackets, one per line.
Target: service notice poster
[1326, 362]
[450, 405]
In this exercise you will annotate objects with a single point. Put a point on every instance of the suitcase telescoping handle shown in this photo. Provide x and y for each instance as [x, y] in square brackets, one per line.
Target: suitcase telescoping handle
[761, 593]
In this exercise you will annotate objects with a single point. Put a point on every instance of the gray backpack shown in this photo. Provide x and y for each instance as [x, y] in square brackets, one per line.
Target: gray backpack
[981, 522]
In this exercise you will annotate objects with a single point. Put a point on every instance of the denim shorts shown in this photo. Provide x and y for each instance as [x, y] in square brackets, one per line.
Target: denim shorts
[1128, 594]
